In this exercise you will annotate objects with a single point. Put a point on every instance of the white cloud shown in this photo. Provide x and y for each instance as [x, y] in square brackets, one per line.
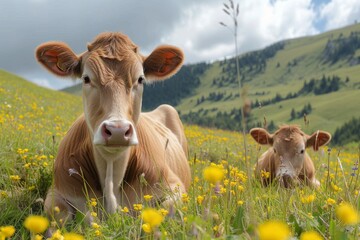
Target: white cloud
[260, 23]
[338, 13]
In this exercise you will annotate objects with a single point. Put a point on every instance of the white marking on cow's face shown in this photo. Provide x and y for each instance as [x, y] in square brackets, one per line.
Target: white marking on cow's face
[112, 103]
[290, 155]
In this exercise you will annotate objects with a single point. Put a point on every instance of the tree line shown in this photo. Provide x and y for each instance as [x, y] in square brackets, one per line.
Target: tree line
[171, 91]
[342, 48]
[347, 133]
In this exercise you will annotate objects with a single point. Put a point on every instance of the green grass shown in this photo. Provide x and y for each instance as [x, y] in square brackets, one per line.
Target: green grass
[36, 119]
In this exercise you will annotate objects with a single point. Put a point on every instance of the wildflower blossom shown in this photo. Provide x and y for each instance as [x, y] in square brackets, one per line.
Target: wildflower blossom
[15, 178]
[73, 236]
[273, 230]
[200, 199]
[308, 199]
[36, 224]
[330, 201]
[152, 219]
[213, 174]
[148, 197]
[310, 235]
[137, 207]
[6, 232]
[265, 174]
[185, 198]
[124, 210]
[57, 235]
[347, 214]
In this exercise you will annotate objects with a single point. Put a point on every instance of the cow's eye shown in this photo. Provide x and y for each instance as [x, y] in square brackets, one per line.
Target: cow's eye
[302, 151]
[141, 80]
[274, 150]
[86, 79]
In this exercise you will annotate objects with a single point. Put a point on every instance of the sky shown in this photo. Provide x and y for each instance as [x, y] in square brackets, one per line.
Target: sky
[192, 25]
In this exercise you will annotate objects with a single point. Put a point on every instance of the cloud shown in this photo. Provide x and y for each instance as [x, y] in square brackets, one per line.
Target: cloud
[338, 13]
[260, 23]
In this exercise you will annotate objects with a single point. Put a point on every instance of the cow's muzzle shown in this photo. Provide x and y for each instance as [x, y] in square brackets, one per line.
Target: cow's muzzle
[118, 133]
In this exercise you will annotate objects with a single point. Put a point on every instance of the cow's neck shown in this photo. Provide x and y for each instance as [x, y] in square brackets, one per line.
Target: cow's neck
[111, 166]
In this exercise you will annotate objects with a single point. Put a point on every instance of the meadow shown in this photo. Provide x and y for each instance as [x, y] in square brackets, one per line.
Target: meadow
[224, 201]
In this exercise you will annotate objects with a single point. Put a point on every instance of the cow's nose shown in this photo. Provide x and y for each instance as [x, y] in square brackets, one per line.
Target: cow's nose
[118, 133]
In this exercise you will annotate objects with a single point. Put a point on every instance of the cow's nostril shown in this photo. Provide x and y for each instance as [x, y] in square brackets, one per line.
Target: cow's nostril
[129, 132]
[107, 131]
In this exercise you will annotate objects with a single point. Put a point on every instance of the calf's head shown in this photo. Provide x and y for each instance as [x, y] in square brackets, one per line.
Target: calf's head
[113, 73]
[288, 145]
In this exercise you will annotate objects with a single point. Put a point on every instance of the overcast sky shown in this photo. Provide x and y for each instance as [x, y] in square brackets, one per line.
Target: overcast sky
[192, 25]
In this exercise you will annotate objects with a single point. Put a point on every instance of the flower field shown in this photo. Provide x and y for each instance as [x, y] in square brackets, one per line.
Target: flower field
[224, 200]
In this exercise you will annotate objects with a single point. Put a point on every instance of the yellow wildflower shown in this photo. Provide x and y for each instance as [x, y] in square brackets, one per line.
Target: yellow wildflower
[36, 224]
[124, 210]
[93, 214]
[240, 203]
[137, 207]
[330, 201]
[164, 212]
[93, 202]
[273, 230]
[73, 236]
[311, 235]
[7, 231]
[213, 174]
[308, 199]
[347, 214]
[95, 225]
[265, 174]
[200, 199]
[185, 198]
[98, 233]
[152, 218]
[57, 235]
[148, 198]
[146, 227]
[15, 178]
[38, 237]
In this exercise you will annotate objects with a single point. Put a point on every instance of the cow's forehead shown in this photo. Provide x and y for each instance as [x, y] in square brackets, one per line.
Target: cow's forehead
[289, 135]
[113, 56]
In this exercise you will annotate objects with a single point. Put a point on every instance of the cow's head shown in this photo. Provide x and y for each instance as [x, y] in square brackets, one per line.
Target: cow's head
[289, 144]
[113, 73]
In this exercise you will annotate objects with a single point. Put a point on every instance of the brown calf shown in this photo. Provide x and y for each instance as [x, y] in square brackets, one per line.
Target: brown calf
[112, 146]
[287, 159]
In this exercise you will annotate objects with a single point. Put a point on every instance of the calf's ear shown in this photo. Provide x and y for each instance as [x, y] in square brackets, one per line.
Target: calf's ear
[59, 59]
[163, 62]
[261, 136]
[318, 139]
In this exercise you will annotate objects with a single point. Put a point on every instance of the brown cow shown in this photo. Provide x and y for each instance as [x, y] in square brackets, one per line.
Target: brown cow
[113, 148]
[287, 159]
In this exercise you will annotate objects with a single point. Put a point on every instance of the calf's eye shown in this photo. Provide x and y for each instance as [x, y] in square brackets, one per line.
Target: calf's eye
[302, 151]
[274, 150]
[86, 79]
[141, 79]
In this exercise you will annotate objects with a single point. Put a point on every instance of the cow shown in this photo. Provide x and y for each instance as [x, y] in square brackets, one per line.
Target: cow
[287, 159]
[113, 152]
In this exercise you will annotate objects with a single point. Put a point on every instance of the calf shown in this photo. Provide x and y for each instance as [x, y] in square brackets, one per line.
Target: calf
[113, 152]
[286, 158]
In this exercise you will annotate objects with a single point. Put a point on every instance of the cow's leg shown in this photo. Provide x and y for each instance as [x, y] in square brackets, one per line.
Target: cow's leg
[57, 207]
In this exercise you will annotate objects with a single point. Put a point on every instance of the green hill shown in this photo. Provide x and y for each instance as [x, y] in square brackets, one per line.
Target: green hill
[208, 94]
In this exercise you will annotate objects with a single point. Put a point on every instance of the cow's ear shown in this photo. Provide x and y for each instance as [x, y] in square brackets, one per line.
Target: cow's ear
[163, 62]
[59, 59]
[318, 139]
[261, 136]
